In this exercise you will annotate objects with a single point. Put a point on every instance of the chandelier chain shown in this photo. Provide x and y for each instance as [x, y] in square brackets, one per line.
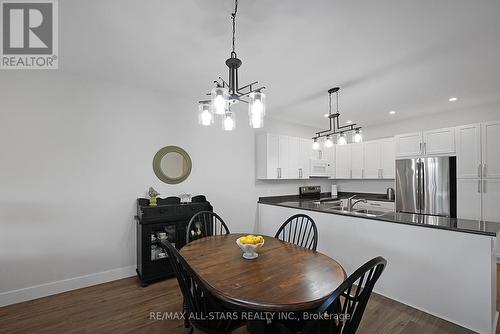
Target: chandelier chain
[233, 18]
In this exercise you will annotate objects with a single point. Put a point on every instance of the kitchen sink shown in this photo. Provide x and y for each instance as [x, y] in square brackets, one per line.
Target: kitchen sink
[360, 212]
[369, 212]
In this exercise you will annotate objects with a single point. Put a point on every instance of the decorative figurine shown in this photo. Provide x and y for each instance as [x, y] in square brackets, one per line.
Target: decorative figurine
[152, 196]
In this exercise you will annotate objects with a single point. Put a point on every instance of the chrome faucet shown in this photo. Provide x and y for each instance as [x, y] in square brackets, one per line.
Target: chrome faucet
[350, 204]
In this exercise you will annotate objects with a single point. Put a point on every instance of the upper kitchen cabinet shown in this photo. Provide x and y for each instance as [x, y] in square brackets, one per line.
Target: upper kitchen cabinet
[283, 157]
[440, 141]
[343, 162]
[409, 144]
[268, 159]
[357, 160]
[328, 154]
[387, 158]
[490, 150]
[469, 151]
[372, 159]
[306, 153]
[379, 159]
[433, 142]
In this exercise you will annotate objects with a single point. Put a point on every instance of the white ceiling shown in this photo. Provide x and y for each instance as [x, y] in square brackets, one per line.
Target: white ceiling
[408, 56]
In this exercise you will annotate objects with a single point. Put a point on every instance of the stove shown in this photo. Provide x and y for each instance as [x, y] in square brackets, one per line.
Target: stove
[310, 192]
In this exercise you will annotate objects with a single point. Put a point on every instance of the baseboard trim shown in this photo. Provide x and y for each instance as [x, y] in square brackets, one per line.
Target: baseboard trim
[52, 288]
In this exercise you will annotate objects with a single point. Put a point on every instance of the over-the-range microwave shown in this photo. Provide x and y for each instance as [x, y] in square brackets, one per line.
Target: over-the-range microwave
[319, 168]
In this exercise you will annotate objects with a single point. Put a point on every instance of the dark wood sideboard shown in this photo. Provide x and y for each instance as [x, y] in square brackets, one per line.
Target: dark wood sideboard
[167, 220]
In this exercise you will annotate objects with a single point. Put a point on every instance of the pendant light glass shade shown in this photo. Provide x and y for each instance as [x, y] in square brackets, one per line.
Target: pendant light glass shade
[357, 137]
[205, 116]
[220, 100]
[328, 142]
[257, 109]
[342, 140]
[315, 145]
[228, 123]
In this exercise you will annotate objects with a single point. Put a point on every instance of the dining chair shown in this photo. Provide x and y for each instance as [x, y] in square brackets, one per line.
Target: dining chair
[299, 229]
[203, 224]
[199, 303]
[345, 305]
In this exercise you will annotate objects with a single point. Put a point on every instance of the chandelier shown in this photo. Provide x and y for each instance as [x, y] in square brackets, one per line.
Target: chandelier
[335, 130]
[227, 93]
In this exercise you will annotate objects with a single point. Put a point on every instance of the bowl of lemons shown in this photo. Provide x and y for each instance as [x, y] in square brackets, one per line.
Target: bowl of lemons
[250, 245]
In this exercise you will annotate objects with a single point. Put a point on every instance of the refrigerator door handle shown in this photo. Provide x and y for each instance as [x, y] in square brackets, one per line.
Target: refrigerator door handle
[418, 185]
[422, 185]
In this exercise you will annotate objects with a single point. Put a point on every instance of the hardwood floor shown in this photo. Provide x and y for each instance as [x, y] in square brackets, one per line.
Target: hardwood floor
[124, 307]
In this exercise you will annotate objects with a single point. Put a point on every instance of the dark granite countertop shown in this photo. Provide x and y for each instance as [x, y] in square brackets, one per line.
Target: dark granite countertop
[450, 224]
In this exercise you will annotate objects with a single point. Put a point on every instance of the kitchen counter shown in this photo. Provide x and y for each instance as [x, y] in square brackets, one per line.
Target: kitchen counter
[431, 261]
[452, 224]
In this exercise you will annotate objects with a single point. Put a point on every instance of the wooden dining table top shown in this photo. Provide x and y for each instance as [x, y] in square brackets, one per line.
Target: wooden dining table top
[285, 277]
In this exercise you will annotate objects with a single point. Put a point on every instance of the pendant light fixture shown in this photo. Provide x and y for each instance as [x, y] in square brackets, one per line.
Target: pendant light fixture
[335, 128]
[226, 93]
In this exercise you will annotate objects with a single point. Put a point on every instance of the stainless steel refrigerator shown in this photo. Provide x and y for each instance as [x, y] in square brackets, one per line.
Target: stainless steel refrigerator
[426, 186]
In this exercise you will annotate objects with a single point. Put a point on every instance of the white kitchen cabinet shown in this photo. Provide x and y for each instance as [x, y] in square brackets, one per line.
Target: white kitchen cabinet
[387, 158]
[432, 142]
[293, 169]
[372, 159]
[357, 160]
[305, 154]
[343, 161]
[409, 144]
[469, 198]
[267, 156]
[379, 159]
[328, 154]
[439, 141]
[491, 200]
[283, 157]
[490, 149]
[469, 151]
[284, 171]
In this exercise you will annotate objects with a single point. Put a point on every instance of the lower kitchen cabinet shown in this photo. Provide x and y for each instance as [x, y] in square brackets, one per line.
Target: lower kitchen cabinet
[478, 199]
[491, 200]
[469, 198]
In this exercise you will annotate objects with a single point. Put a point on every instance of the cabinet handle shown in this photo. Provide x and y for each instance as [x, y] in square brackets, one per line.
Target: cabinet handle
[279, 173]
[479, 170]
[300, 172]
[484, 170]
[484, 186]
[381, 173]
[421, 148]
[362, 173]
[425, 148]
[479, 186]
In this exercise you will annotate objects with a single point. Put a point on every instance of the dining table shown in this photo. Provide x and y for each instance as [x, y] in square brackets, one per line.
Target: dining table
[283, 278]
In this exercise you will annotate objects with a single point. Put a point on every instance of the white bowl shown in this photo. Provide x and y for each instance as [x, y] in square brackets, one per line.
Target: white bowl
[249, 250]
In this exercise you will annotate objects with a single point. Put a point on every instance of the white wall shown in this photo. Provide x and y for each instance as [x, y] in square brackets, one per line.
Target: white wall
[76, 153]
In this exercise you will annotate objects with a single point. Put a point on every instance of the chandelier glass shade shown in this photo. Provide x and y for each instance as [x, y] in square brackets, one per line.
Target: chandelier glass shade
[228, 92]
[205, 115]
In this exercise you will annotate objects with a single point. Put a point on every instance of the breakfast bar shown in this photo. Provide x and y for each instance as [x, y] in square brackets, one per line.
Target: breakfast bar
[445, 267]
